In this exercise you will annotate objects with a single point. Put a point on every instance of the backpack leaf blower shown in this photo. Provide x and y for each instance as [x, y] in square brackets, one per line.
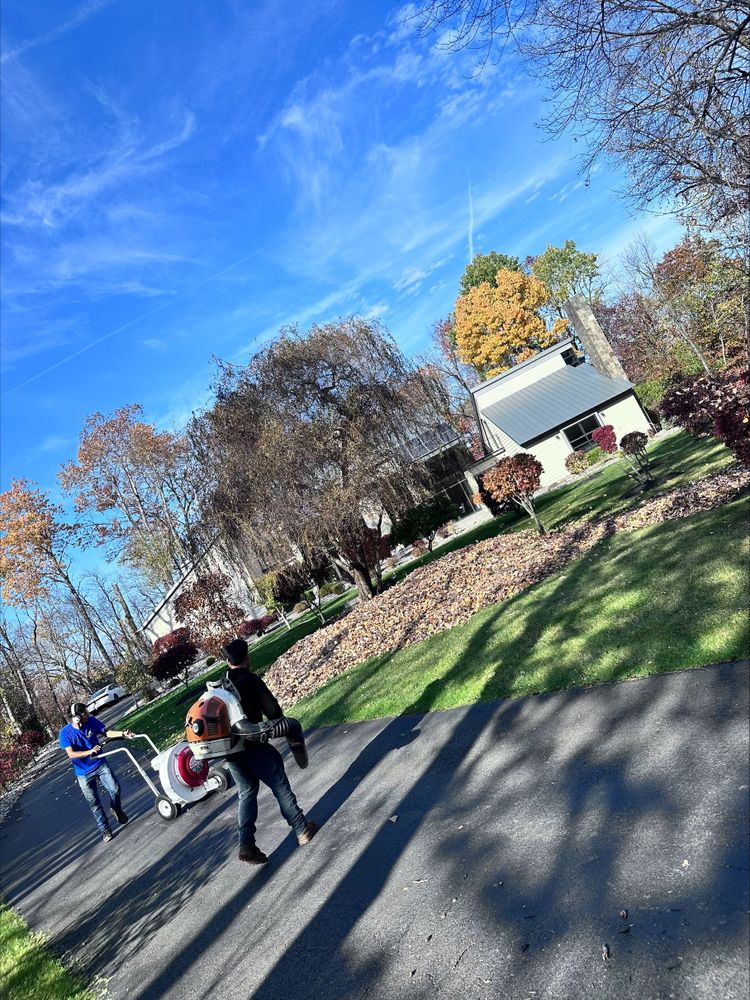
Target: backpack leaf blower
[216, 726]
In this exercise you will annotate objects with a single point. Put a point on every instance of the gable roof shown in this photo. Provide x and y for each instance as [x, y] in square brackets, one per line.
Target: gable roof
[553, 401]
[557, 348]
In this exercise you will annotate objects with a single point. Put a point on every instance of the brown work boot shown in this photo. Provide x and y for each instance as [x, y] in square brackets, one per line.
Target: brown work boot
[308, 833]
[252, 855]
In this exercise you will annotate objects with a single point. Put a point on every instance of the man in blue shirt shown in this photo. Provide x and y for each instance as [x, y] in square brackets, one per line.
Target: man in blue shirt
[80, 740]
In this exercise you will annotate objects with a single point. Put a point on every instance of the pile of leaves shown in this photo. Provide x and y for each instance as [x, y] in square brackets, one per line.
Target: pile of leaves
[450, 590]
[685, 500]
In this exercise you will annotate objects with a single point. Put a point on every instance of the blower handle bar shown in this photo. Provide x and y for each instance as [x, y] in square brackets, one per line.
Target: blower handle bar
[149, 782]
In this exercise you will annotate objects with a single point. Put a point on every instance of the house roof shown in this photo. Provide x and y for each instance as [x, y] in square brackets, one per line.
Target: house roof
[553, 401]
[528, 363]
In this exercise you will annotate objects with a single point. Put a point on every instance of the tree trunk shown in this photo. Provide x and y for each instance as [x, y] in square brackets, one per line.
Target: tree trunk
[9, 712]
[137, 635]
[78, 600]
[364, 583]
[16, 668]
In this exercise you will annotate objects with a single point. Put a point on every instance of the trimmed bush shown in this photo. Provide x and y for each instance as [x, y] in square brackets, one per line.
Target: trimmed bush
[335, 587]
[714, 405]
[633, 447]
[174, 660]
[176, 638]
[634, 443]
[515, 480]
[424, 520]
[299, 608]
[257, 626]
[596, 455]
[605, 439]
[576, 462]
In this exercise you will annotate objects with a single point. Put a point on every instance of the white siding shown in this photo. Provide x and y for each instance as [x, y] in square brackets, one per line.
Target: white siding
[498, 440]
[513, 381]
[625, 416]
[552, 452]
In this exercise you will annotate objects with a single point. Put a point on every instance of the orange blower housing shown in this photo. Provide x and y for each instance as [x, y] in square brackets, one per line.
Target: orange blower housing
[208, 728]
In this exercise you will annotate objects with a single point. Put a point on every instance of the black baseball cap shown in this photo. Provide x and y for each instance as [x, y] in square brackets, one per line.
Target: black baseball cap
[78, 708]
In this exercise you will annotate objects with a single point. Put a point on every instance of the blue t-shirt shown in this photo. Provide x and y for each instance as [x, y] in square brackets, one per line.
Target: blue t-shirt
[85, 738]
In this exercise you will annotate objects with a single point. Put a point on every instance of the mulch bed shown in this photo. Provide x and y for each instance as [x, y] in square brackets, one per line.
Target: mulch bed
[450, 590]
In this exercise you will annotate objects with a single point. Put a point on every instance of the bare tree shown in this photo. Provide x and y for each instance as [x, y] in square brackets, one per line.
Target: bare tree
[662, 85]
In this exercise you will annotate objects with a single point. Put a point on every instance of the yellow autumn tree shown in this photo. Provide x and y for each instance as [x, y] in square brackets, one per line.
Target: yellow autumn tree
[498, 326]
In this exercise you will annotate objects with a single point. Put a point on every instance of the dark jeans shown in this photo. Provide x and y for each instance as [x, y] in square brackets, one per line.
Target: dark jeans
[262, 762]
[88, 783]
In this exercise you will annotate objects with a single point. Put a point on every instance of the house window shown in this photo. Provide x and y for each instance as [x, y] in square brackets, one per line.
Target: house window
[579, 434]
[572, 357]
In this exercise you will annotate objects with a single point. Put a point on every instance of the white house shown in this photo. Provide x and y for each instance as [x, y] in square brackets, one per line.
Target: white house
[162, 618]
[549, 406]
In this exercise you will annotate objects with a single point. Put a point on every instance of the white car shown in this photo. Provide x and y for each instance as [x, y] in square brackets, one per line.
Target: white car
[108, 695]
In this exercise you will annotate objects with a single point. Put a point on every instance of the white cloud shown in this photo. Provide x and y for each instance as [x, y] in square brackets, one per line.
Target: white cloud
[37, 204]
[157, 344]
[52, 443]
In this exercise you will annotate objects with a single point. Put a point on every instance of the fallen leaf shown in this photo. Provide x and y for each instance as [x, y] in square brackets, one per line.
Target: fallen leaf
[393, 818]
[450, 590]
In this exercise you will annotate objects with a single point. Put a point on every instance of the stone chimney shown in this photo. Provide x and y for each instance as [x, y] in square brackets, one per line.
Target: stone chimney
[591, 336]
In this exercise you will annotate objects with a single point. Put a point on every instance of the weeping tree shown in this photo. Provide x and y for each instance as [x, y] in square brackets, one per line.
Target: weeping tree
[309, 443]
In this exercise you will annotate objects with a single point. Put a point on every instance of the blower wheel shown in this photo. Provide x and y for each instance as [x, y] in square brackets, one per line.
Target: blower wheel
[220, 776]
[166, 808]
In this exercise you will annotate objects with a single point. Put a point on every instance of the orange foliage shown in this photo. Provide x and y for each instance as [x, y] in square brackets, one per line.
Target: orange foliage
[31, 540]
[496, 327]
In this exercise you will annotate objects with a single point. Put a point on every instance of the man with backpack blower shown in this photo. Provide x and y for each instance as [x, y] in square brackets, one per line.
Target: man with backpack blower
[259, 761]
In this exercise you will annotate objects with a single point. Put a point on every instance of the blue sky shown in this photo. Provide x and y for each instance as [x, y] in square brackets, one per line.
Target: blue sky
[182, 178]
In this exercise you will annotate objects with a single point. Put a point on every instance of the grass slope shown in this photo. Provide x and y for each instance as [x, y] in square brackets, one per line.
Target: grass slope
[660, 599]
[675, 460]
[27, 970]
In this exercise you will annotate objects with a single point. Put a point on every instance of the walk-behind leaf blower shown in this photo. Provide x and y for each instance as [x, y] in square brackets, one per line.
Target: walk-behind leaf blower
[216, 726]
[184, 778]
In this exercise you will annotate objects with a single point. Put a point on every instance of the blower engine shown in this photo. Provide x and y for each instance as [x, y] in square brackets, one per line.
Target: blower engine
[216, 726]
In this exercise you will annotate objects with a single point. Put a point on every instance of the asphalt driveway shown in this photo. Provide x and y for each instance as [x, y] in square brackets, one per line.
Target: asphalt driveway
[475, 853]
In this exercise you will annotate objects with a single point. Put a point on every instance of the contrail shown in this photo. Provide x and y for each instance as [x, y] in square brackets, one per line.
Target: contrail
[471, 225]
[78, 17]
[126, 326]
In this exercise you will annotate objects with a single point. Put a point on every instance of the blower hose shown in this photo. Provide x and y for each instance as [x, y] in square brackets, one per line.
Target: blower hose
[262, 732]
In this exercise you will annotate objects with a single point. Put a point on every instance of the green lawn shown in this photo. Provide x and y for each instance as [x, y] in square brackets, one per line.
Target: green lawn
[675, 460]
[163, 720]
[663, 598]
[27, 970]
